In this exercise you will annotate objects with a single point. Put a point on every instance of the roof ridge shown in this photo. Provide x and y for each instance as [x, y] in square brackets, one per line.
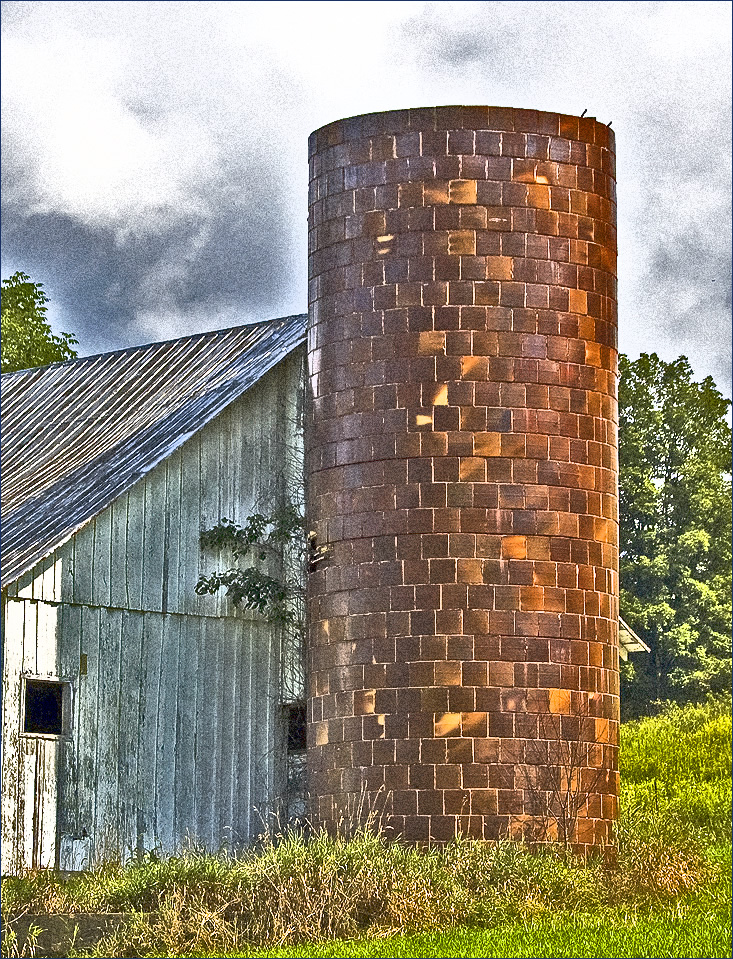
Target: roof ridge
[144, 346]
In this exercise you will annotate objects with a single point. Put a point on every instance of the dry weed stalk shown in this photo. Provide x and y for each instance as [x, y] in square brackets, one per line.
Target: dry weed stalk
[563, 770]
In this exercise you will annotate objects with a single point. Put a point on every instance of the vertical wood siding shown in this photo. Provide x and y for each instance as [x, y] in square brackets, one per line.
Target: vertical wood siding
[175, 734]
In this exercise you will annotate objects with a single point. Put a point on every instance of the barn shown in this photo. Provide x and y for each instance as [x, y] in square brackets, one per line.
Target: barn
[138, 715]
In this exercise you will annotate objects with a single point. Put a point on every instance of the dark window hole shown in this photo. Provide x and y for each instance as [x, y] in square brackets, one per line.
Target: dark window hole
[44, 706]
[295, 716]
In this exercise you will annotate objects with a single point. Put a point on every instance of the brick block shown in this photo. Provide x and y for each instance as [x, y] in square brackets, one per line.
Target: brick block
[462, 191]
[462, 242]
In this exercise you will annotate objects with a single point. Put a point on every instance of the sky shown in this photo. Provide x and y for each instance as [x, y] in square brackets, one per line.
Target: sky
[154, 154]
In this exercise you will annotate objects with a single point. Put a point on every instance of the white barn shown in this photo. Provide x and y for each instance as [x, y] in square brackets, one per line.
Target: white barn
[136, 714]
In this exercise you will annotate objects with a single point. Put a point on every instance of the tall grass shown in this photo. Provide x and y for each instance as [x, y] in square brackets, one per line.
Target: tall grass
[294, 889]
[682, 743]
[676, 768]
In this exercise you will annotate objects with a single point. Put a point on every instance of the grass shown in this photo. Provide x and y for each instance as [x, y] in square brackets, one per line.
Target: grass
[605, 935]
[670, 894]
[678, 765]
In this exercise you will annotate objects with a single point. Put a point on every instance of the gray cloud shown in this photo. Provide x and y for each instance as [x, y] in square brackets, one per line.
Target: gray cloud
[197, 274]
[686, 302]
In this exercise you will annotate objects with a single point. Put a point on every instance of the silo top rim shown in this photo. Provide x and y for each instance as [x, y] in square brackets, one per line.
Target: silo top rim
[503, 119]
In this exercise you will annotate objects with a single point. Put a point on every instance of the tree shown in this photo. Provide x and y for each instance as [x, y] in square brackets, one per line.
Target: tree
[675, 514]
[27, 339]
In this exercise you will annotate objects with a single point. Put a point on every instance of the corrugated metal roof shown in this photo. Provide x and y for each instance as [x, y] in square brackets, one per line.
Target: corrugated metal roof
[76, 435]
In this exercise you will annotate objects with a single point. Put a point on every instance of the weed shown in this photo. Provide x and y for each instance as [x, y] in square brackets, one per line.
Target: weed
[15, 949]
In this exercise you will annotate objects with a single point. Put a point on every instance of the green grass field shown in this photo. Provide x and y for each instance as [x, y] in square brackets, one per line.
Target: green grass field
[670, 894]
[592, 936]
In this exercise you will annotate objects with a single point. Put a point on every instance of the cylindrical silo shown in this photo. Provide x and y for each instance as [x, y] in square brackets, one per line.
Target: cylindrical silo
[461, 464]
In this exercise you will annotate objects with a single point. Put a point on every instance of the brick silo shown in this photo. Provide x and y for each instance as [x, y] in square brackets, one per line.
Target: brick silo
[462, 473]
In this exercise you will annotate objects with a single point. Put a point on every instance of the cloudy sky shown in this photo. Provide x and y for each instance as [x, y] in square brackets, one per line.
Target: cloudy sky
[154, 154]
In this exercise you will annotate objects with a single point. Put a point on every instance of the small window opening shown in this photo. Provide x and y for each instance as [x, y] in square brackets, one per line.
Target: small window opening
[45, 706]
[295, 715]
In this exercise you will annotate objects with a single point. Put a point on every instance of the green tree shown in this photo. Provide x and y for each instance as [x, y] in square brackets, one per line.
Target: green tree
[27, 339]
[675, 513]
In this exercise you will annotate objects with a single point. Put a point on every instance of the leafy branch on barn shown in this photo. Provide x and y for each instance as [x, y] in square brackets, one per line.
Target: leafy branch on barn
[262, 539]
[270, 554]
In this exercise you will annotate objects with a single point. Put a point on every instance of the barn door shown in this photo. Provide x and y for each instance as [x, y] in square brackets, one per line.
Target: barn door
[36, 722]
[45, 718]
[41, 794]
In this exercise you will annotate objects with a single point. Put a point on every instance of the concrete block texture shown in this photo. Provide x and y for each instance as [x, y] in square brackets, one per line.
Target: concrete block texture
[462, 471]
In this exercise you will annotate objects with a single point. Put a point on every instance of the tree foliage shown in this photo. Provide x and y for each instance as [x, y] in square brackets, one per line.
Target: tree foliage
[675, 515]
[263, 584]
[27, 339]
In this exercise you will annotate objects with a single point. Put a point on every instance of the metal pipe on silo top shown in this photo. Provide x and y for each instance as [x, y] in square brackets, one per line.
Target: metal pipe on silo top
[462, 474]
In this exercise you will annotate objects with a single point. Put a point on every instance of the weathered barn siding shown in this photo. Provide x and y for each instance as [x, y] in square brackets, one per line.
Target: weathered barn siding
[77, 435]
[176, 730]
[143, 552]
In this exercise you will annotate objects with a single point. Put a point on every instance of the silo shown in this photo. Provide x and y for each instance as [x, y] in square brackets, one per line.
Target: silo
[461, 465]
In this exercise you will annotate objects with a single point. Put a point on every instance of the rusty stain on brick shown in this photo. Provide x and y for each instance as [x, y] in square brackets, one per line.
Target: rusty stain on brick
[559, 701]
[487, 444]
[578, 302]
[436, 192]
[462, 191]
[514, 547]
[499, 268]
[364, 701]
[431, 342]
[440, 397]
[448, 724]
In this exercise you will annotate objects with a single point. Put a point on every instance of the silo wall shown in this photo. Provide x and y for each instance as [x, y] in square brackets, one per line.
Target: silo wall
[461, 464]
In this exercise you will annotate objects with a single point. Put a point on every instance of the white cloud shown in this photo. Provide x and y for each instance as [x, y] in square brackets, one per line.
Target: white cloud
[175, 132]
[83, 152]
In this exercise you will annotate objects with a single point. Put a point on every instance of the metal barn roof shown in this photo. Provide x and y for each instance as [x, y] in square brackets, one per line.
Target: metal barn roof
[76, 435]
